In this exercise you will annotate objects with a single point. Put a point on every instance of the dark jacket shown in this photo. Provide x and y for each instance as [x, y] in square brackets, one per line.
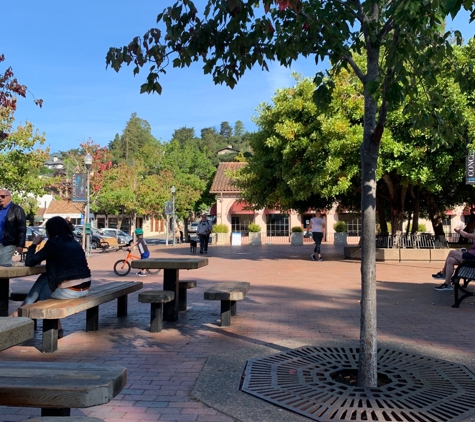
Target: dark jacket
[14, 230]
[65, 260]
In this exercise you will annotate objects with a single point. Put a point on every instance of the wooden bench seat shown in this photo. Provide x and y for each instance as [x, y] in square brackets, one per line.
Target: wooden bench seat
[52, 310]
[56, 387]
[228, 294]
[464, 274]
[108, 244]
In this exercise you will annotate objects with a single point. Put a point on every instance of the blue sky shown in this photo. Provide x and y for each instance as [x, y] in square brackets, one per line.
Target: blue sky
[58, 48]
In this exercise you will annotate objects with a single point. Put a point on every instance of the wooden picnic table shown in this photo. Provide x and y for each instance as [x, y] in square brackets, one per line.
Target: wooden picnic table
[171, 268]
[14, 331]
[6, 273]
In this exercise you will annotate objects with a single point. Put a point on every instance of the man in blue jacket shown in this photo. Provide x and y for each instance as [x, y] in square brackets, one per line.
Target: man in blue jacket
[203, 231]
[12, 228]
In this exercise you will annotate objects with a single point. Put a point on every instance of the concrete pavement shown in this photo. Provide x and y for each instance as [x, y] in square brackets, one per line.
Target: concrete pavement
[293, 301]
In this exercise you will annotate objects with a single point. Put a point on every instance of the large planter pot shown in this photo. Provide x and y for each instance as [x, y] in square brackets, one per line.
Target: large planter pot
[222, 238]
[255, 239]
[296, 238]
[340, 239]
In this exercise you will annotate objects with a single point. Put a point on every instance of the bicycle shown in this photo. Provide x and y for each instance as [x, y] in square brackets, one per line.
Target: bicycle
[122, 266]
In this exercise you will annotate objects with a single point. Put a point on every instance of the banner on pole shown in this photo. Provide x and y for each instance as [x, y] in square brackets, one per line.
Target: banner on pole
[168, 208]
[79, 187]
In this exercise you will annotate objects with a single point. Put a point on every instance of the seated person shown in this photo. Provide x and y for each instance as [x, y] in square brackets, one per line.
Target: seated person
[454, 258]
[67, 272]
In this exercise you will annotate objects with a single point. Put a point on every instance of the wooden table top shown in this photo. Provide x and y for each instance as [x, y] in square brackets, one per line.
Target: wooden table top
[170, 263]
[59, 385]
[21, 271]
[14, 331]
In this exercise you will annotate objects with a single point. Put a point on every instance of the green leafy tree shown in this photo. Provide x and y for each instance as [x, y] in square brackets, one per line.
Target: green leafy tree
[137, 133]
[21, 158]
[402, 43]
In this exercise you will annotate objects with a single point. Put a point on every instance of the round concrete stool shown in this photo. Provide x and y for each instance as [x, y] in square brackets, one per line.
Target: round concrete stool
[156, 298]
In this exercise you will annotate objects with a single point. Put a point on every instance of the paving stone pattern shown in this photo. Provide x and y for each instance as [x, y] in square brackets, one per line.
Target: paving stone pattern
[292, 298]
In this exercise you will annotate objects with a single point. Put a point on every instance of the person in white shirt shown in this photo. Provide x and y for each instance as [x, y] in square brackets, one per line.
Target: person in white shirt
[317, 227]
[203, 231]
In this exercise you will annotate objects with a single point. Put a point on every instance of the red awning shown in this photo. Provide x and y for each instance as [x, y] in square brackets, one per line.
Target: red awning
[272, 211]
[213, 210]
[450, 212]
[239, 207]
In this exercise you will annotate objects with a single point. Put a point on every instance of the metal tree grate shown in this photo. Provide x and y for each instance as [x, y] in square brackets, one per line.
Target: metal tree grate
[421, 389]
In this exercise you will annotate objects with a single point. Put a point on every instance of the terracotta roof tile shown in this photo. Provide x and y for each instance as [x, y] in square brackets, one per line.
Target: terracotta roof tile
[65, 207]
[222, 182]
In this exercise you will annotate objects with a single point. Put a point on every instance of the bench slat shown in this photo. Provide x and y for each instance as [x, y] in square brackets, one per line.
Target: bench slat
[56, 309]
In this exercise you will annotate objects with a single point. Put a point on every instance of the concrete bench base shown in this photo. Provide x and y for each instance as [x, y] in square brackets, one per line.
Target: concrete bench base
[64, 419]
[183, 287]
[228, 294]
[156, 298]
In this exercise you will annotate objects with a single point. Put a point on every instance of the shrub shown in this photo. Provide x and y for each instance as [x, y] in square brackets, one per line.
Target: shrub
[254, 228]
[297, 229]
[220, 228]
[340, 226]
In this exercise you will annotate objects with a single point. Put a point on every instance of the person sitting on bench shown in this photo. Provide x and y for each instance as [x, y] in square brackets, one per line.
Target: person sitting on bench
[454, 258]
[67, 273]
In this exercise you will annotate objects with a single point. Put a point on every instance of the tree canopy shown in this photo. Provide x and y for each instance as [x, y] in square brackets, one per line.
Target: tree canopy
[402, 43]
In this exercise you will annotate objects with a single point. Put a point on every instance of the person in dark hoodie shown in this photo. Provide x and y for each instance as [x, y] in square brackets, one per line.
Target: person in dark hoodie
[67, 273]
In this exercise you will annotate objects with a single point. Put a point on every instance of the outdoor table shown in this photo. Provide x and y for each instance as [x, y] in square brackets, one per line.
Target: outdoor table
[171, 268]
[14, 331]
[6, 273]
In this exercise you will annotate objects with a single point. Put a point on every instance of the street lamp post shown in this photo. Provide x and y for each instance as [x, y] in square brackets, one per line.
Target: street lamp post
[173, 215]
[87, 225]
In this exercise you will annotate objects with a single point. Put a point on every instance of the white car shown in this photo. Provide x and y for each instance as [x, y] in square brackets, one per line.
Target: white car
[122, 237]
[193, 227]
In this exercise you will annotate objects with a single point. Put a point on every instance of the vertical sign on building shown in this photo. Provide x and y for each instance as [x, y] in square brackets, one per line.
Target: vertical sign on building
[79, 181]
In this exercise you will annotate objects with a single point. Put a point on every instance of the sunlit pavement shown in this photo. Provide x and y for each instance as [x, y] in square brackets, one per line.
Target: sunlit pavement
[292, 298]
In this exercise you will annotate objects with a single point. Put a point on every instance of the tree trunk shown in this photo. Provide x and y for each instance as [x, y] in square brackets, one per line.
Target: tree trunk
[435, 215]
[417, 207]
[383, 224]
[397, 195]
[372, 133]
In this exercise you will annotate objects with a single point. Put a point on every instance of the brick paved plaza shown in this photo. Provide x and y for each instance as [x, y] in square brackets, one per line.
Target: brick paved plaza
[292, 299]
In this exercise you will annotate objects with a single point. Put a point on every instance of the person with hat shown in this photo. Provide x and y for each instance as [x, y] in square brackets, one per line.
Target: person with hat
[142, 247]
[203, 231]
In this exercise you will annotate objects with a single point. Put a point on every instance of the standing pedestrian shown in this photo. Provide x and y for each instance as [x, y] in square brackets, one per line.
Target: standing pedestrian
[203, 231]
[317, 227]
[12, 228]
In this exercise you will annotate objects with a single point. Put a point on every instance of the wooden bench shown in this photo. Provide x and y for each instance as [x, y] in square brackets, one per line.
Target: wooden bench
[108, 244]
[56, 387]
[52, 310]
[228, 294]
[156, 298]
[464, 274]
[183, 287]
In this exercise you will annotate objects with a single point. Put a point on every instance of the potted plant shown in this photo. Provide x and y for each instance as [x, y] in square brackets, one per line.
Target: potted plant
[254, 234]
[296, 237]
[221, 234]
[341, 236]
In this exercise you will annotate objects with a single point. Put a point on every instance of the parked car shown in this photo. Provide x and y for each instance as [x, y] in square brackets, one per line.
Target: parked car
[31, 231]
[193, 227]
[122, 237]
[95, 238]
